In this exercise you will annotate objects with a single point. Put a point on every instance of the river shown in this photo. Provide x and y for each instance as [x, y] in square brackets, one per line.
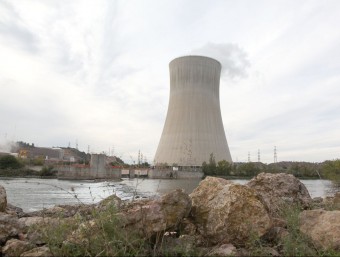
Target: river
[33, 194]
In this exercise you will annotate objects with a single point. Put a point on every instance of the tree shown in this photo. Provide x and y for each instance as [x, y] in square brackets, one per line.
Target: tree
[209, 168]
[331, 170]
[248, 169]
[223, 168]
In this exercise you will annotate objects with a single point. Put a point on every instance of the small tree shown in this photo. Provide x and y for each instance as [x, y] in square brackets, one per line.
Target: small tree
[223, 168]
[209, 168]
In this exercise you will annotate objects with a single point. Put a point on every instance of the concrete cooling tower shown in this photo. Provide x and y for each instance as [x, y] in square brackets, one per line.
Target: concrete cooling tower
[193, 128]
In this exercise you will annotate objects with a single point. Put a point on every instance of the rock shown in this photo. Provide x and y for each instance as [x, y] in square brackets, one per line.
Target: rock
[182, 246]
[3, 199]
[317, 200]
[275, 235]
[148, 218]
[243, 252]
[223, 250]
[269, 251]
[9, 226]
[56, 212]
[11, 209]
[187, 227]
[34, 235]
[332, 202]
[42, 251]
[228, 213]
[112, 200]
[27, 222]
[64, 211]
[278, 222]
[323, 227]
[279, 189]
[15, 247]
[81, 235]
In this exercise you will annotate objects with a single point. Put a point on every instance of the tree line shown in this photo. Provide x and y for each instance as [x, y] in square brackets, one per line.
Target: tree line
[326, 170]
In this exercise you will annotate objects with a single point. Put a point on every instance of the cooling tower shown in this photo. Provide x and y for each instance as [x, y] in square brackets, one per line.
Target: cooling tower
[193, 127]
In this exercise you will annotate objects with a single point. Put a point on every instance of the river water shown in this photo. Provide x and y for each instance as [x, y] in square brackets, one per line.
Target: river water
[33, 194]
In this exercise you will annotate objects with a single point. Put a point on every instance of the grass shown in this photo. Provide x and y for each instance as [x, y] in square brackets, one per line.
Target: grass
[296, 243]
[101, 235]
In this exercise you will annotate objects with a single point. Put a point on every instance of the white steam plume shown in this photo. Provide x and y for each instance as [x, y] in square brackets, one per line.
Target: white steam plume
[233, 58]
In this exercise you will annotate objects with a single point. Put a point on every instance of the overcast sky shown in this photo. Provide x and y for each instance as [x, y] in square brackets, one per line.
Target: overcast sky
[96, 73]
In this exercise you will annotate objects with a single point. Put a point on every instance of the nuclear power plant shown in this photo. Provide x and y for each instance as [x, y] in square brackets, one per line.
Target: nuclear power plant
[193, 127]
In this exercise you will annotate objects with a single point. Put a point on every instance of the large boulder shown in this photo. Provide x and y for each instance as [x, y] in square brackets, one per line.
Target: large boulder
[323, 227]
[280, 189]
[148, 218]
[228, 213]
[3, 199]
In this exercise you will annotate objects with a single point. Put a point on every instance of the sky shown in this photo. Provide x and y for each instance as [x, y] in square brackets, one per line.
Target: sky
[95, 73]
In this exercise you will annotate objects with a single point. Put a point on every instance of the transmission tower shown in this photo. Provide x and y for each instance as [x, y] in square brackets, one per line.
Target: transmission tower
[258, 155]
[138, 157]
[275, 155]
[248, 156]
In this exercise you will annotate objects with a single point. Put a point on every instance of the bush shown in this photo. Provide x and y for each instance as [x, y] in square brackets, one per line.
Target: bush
[48, 171]
[331, 170]
[10, 162]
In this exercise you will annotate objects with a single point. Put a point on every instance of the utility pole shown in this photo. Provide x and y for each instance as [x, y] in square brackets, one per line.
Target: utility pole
[258, 155]
[275, 155]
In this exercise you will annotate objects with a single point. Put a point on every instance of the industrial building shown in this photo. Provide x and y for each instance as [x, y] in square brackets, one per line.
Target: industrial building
[193, 127]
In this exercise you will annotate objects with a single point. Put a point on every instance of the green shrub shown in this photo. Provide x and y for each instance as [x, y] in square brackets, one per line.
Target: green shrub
[10, 162]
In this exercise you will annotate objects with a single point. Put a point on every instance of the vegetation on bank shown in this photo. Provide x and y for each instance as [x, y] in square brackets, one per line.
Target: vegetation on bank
[331, 170]
[326, 170]
[10, 166]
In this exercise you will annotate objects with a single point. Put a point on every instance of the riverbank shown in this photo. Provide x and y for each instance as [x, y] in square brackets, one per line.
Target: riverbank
[272, 214]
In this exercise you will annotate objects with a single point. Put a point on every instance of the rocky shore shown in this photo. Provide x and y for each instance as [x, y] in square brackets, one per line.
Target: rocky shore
[272, 215]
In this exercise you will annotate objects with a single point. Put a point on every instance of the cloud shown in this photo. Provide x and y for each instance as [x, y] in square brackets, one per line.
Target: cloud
[13, 29]
[233, 58]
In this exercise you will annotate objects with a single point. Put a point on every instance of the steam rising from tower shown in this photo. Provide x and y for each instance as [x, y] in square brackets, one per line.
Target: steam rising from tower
[193, 128]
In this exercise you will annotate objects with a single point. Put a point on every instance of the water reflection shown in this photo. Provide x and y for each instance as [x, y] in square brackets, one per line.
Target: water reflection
[34, 194]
